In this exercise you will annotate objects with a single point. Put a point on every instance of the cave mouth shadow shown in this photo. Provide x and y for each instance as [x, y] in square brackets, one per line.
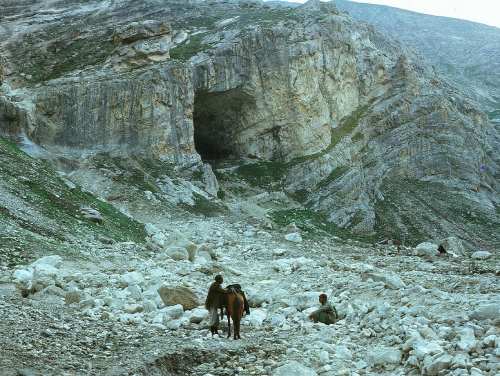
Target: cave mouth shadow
[218, 119]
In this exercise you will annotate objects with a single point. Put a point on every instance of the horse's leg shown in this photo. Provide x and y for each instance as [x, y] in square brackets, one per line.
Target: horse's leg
[228, 325]
[235, 325]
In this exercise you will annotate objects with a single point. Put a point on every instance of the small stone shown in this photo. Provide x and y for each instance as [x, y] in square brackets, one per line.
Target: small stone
[133, 308]
[293, 237]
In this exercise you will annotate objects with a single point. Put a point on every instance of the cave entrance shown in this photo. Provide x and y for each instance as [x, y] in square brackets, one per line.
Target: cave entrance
[218, 120]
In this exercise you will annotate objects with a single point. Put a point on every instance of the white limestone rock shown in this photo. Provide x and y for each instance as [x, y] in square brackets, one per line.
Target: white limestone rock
[294, 368]
[294, 237]
[433, 365]
[383, 355]
[177, 253]
[426, 249]
[197, 315]
[468, 340]
[132, 278]
[486, 311]
[256, 317]
[481, 255]
[174, 312]
[391, 281]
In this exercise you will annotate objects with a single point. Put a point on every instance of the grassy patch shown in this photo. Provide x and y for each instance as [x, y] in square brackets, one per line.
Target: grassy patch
[357, 137]
[189, 48]
[313, 223]
[204, 207]
[266, 174]
[414, 211]
[347, 126]
[40, 188]
[334, 175]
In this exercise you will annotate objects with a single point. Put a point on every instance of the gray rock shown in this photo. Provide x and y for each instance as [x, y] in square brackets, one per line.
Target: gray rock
[92, 215]
[177, 253]
[481, 255]
[391, 281]
[453, 245]
[294, 237]
[486, 311]
[384, 355]
[294, 368]
[426, 249]
[433, 365]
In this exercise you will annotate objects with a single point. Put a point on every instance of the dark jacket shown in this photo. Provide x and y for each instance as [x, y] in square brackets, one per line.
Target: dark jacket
[215, 297]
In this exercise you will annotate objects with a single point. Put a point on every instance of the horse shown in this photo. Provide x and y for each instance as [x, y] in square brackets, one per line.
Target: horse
[235, 305]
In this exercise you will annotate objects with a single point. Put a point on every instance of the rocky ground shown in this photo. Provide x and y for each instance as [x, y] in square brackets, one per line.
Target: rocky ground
[404, 312]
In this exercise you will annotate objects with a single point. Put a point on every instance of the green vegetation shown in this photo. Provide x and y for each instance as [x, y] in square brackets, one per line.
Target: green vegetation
[334, 175]
[263, 174]
[411, 207]
[313, 223]
[204, 207]
[138, 172]
[37, 185]
[347, 126]
[189, 48]
[357, 137]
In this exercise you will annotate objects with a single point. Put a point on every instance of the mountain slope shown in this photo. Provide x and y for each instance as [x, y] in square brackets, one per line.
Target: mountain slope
[466, 52]
[349, 115]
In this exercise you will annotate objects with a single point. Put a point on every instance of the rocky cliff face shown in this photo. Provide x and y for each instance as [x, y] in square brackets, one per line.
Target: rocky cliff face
[465, 52]
[362, 130]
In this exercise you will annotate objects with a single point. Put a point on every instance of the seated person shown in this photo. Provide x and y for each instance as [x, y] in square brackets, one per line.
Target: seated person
[327, 314]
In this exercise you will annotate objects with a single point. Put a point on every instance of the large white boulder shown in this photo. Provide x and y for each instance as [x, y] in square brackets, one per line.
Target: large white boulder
[177, 253]
[174, 312]
[294, 368]
[481, 255]
[54, 261]
[486, 311]
[303, 300]
[468, 340]
[390, 280]
[197, 315]
[433, 365]
[256, 317]
[426, 249]
[131, 278]
[293, 237]
[453, 245]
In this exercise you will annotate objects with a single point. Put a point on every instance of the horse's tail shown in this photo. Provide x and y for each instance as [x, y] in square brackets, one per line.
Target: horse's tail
[237, 307]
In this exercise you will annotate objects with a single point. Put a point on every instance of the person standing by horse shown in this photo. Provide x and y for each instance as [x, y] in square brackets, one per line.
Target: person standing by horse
[214, 301]
[327, 314]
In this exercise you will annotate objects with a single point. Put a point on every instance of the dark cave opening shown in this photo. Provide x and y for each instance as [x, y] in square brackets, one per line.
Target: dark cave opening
[217, 120]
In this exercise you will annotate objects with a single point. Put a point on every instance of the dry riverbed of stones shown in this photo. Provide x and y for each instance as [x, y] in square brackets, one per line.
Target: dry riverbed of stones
[127, 309]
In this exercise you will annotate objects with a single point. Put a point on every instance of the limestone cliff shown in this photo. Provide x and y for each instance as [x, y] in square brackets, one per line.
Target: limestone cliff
[366, 133]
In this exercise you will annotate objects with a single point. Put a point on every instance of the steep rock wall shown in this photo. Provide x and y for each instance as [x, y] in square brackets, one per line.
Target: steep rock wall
[357, 119]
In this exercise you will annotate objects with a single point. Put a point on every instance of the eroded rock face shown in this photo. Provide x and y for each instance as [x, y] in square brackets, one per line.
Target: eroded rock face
[368, 132]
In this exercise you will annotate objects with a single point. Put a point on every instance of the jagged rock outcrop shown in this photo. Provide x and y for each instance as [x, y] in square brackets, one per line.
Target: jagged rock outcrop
[368, 134]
